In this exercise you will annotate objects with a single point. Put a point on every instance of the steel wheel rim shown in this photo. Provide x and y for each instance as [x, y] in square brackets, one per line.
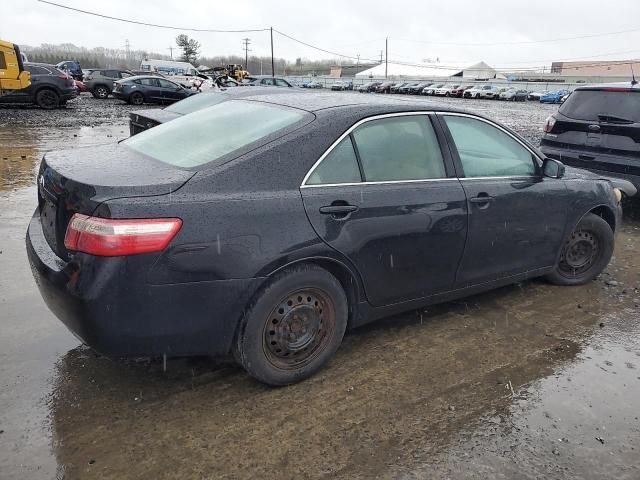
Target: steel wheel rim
[579, 253]
[299, 328]
[48, 98]
[102, 92]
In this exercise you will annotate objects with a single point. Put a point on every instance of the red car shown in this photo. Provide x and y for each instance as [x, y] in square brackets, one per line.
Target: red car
[80, 86]
[459, 91]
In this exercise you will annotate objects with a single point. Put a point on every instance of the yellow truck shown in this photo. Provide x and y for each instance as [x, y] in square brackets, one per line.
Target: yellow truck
[12, 73]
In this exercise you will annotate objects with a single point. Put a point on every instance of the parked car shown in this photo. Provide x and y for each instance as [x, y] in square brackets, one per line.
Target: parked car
[431, 89]
[405, 90]
[72, 68]
[342, 85]
[80, 86]
[473, 92]
[368, 87]
[553, 97]
[498, 91]
[50, 88]
[514, 95]
[141, 120]
[398, 86]
[459, 91]
[535, 96]
[598, 128]
[488, 92]
[417, 89]
[384, 87]
[445, 90]
[150, 89]
[314, 84]
[101, 82]
[269, 81]
[172, 243]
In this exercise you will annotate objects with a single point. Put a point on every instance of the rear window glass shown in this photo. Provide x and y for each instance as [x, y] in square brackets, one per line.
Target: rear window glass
[196, 102]
[210, 134]
[588, 104]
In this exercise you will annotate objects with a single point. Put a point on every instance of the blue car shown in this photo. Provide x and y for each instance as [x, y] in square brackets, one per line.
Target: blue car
[553, 97]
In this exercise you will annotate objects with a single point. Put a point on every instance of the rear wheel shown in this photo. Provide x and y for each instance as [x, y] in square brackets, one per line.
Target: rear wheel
[101, 92]
[136, 98]
[47, 99]
[293, 327]
[586, 253]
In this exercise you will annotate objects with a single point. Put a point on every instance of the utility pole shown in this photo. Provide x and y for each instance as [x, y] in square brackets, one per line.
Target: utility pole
[171, 51]
[127, 48]
[273, 65]
[246, 42]
[358, 63]
[386, 57]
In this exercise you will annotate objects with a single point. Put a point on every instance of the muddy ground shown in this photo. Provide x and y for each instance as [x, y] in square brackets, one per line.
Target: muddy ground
[529, 381]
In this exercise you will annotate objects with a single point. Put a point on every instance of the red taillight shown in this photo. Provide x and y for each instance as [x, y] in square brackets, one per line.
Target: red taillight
[549, 124]
[108, 237]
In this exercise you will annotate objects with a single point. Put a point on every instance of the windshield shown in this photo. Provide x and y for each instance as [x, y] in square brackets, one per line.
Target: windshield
[196, 102]
[210, 134]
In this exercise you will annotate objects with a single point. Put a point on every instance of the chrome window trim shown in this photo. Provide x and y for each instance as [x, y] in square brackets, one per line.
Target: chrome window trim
[348, 132]
[413, 113]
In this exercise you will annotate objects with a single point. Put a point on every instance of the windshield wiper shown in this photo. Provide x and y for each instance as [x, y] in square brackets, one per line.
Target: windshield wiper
[614, 119]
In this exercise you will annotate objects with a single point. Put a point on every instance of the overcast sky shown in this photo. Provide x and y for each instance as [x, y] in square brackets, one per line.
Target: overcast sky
[417, 29]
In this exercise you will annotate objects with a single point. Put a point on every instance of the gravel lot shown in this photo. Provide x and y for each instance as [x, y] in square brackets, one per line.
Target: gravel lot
[528, 381]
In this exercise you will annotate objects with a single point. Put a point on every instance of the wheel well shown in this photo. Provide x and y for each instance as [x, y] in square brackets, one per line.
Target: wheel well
[46, 87]
[607, 215]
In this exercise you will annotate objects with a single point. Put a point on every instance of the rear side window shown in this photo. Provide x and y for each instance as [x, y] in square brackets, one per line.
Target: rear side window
[212, 133]
[588, 104]
[486, 151]
[3, 62]
[399, 148]
[340, 166]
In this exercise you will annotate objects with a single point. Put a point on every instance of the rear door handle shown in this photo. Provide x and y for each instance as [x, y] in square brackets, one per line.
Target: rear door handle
[481, 199]
[338, 210]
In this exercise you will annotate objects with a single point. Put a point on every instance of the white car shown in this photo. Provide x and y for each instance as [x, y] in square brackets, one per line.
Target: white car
[445, 90]
[431, 90]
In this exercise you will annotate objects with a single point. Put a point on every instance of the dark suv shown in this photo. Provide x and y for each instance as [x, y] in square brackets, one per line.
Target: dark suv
[50, 88]
[100, 82]
[598, 128]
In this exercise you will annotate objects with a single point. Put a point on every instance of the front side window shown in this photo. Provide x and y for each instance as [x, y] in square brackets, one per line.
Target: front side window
[339, 166]
[399, 148]
[167, 84]
[486, 151]
[281, 83]
[148, 82]
[210, 134]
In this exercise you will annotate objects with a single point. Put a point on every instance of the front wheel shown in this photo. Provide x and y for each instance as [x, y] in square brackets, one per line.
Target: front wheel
[585, 254]
[101, 92]
[293, 327]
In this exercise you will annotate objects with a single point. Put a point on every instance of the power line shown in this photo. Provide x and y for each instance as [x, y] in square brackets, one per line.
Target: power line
[170, 27]
[320, 49]
[526, 42]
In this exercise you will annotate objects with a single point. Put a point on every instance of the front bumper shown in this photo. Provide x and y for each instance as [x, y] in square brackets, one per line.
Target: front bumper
[109, 306]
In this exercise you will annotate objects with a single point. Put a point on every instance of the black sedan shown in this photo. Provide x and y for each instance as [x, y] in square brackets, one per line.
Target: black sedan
[266, 227]
[149, 89]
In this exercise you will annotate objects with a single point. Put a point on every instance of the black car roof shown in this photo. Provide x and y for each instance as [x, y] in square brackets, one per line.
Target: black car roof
[312, 102]
[606, 86]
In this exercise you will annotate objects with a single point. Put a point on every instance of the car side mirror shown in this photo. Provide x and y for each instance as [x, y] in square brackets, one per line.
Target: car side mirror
[552, 168]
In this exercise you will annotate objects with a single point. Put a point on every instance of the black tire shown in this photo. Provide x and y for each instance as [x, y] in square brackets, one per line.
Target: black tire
[136, 98]
[47, 99]
[586, 252]
[293, 326]
[101, 91]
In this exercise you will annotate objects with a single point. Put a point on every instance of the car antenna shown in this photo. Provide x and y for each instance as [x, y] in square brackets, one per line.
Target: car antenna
[633, 76]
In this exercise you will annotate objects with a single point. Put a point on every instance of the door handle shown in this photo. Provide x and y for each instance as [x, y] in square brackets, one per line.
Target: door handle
[338, 210]
[481, 198]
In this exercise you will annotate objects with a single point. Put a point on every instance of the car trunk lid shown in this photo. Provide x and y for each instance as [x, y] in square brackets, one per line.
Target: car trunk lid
[71, 182]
